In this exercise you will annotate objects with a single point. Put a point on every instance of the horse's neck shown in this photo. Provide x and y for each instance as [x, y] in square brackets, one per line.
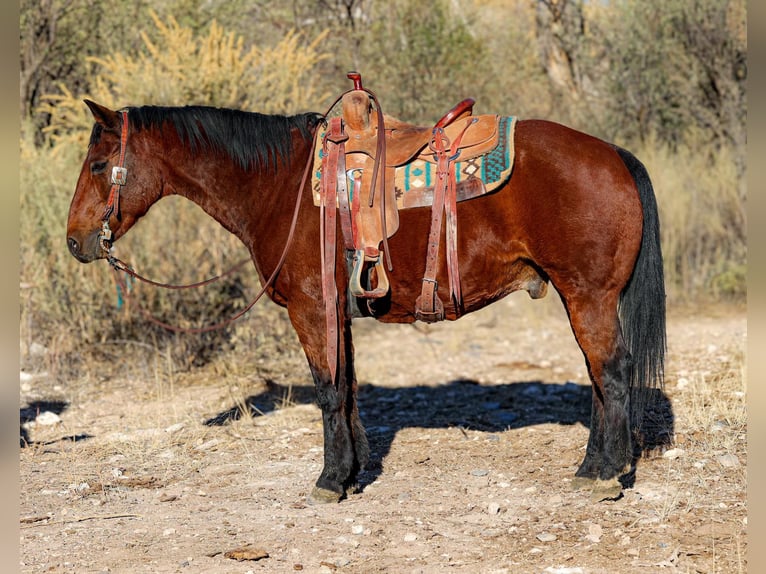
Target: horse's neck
[243, 202]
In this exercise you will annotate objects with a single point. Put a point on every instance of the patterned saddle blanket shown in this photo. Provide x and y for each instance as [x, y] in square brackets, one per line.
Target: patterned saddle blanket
[478, 170]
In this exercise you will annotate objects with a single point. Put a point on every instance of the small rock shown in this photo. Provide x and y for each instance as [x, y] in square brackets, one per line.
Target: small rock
[174, 428]
[479, 472]
[410, 537]
[718, 426]
[728, 461]
[594, 533]
[247, 552]
[357, 529]
[493, 508]
[563, 570]
[546, 537]
[673, 453]
[37, 350]
[47, 418]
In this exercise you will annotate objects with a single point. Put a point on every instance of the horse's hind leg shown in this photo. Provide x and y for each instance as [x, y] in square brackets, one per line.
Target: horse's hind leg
[609, 452]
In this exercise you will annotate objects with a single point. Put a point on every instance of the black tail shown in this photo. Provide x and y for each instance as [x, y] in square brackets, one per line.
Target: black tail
[642, 303]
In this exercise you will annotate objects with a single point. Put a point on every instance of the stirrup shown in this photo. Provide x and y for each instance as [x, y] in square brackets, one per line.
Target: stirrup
[355, 281]
[428, 307]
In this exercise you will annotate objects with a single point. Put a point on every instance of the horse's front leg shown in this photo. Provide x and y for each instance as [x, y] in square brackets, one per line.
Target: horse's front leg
[346, 450]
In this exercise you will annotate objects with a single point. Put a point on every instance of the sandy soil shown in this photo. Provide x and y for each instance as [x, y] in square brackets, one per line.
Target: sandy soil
[477, 428]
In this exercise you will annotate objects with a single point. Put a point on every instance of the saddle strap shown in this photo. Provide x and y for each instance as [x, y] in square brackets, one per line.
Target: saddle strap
[337, 137]
[333, 160]
[428, 307]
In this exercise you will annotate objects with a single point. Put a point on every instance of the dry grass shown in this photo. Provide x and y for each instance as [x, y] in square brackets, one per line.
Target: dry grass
[703, 220]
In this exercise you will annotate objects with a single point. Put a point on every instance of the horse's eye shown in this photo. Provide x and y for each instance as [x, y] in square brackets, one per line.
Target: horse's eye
[97, 167]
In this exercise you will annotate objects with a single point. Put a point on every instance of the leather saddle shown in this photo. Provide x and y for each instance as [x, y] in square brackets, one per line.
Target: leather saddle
[366, 157]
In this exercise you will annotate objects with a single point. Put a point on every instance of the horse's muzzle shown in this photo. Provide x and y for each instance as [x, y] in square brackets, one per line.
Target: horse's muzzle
[87, 250]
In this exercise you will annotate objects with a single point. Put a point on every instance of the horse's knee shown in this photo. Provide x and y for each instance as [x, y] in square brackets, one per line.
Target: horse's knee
[327, 397]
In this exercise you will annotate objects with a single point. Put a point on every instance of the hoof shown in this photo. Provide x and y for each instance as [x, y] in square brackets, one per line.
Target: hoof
[583, 483]
[606, 490]
[324, 496]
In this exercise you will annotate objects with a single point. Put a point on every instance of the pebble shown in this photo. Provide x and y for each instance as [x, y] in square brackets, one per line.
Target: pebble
[673, 453]
[594, 533]
[493, 508]
[479, 472]
[728, 461]
[564, 570]
[546, 537]
[47, 418]
[410, 537]
[718, 426]
[357, 529]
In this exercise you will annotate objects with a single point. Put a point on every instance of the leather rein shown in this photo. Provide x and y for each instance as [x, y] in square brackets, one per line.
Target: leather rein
[119, 179]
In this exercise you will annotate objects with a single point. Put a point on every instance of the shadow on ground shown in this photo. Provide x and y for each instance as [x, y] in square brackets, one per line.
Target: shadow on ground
[463, 404]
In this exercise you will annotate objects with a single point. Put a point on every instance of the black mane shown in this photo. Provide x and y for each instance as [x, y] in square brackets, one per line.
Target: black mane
[251, 139]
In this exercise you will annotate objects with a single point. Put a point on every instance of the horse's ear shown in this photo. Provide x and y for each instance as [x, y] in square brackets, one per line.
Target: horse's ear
[106, 117]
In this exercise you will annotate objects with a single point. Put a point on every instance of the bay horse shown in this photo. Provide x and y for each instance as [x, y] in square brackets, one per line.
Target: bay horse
[578, 213]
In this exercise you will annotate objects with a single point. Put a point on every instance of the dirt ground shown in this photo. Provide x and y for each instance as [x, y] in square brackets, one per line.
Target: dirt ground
[476, 428]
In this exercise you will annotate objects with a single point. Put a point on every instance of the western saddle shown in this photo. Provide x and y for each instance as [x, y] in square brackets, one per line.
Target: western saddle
[362, 154]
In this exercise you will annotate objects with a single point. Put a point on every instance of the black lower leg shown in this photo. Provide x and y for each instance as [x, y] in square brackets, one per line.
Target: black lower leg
[591, 465]
[340, 461]
[617, 451]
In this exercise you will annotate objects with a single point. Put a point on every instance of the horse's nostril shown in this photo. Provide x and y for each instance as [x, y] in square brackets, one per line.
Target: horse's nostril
[74, 247]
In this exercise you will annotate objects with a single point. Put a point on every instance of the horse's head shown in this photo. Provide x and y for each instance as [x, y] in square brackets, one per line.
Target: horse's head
[113, 191]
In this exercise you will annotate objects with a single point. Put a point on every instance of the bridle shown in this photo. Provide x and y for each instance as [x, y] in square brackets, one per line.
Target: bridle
[118, 180]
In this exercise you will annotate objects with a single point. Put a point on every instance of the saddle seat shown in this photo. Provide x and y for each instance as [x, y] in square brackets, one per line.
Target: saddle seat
[406, 142]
